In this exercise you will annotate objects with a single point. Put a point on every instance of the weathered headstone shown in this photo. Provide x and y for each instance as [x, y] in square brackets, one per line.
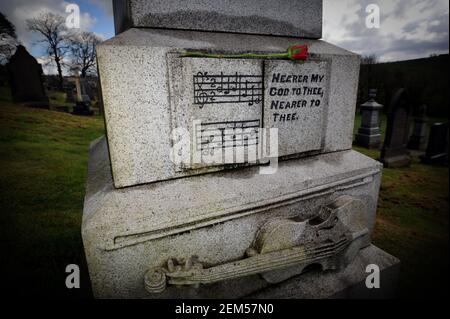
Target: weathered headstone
[369, 133]
[25, 77]
[70, 94]
[300, 198]
[394, 152]
[89, 88]
[437, 149]
[418, 139]
[83, 102]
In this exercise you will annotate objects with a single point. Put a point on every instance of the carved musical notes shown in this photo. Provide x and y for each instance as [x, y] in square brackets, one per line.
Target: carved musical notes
[232, 88]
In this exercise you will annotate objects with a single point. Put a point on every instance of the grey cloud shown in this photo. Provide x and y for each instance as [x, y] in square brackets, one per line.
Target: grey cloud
[441, 26]
[399, 47]
[357, 37]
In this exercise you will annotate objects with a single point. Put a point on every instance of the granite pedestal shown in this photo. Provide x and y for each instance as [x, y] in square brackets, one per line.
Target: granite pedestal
[213, 216]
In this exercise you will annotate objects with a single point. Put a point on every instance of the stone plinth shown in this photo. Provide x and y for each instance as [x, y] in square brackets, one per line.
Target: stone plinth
[301, 18]
[149, 88]
[216, 217]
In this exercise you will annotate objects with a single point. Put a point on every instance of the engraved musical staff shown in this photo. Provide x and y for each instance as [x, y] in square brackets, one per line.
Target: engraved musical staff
[232, 88]
[219, 135]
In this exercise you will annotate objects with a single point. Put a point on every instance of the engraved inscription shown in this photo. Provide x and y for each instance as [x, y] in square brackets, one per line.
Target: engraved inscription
[292, 92]
[295, 101]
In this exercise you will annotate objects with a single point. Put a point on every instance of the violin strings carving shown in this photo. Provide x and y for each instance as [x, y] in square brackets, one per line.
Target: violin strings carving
[282, 249]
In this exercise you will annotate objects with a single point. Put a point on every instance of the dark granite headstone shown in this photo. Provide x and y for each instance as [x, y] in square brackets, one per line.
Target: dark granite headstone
[394, 152]
[437, 149]
[25, 75]
[369, 133]
[418, 139]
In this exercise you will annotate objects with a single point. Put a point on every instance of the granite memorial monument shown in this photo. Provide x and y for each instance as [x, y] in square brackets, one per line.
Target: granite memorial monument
[227, 168]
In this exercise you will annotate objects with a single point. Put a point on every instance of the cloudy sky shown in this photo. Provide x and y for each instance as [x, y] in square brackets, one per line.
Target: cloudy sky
[408, 28]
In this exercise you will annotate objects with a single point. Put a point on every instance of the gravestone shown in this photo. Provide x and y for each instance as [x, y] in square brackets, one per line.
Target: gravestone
[83, 102]
[418, 139]
[369, 133]
[394, 152]
[222, 176]
[437, 149]
[90, 88]
[70, 94]
[25, 77]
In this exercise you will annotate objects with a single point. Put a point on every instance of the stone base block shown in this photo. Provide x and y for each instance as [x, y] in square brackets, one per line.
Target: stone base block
[221, 221]
[347, 283]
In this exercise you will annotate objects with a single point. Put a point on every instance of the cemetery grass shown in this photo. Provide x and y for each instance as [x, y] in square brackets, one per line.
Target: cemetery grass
[43, 167]
[57, 98]
[412, 223]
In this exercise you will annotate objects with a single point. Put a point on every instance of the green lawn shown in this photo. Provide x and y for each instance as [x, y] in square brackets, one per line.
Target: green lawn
[43, 166]
[57, 98]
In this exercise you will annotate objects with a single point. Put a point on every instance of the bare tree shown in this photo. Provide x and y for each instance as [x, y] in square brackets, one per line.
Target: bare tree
[83, 52]
[369, 59]
[8, 46]
[53, 30]
[8, 39]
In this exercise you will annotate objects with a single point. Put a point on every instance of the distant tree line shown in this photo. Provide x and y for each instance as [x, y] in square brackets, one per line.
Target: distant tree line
[425, 79]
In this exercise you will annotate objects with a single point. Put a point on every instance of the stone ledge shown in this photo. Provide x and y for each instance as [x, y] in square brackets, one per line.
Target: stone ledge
[140, 213]
[301, 18]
